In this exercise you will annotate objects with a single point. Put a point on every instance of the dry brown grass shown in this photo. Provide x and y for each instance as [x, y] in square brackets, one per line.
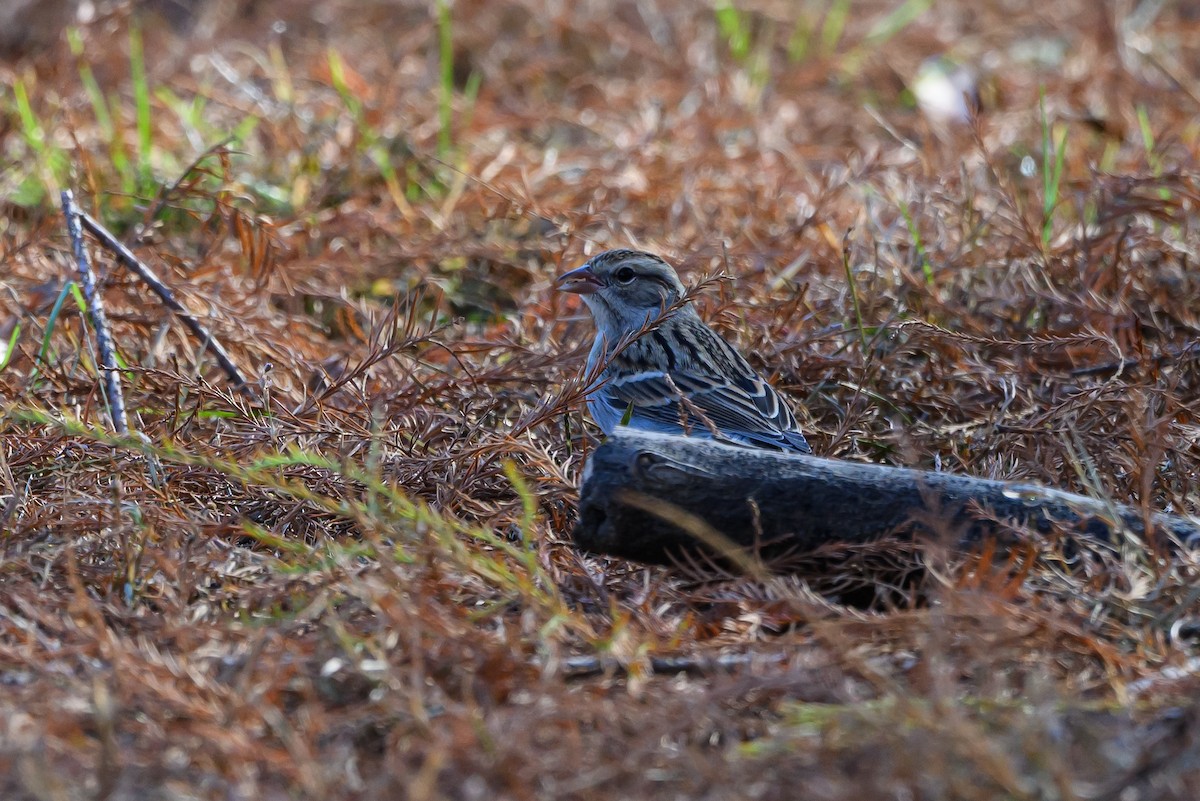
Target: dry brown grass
[335, 587]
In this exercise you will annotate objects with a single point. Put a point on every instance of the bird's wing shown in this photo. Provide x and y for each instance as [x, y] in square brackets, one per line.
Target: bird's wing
[724, 388]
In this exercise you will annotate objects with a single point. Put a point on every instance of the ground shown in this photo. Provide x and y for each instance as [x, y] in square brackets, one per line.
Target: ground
[355, 579]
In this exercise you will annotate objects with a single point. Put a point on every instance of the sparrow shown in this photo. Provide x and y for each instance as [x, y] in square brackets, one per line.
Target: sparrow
[659, 367]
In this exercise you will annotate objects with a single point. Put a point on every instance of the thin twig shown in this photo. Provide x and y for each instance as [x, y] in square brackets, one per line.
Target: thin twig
[104, 341]
[126, 257]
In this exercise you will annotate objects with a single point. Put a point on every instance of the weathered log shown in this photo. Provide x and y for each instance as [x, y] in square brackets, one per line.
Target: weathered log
[655, 497]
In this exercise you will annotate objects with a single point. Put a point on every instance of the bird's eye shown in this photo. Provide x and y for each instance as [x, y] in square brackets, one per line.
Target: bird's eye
[624, 275]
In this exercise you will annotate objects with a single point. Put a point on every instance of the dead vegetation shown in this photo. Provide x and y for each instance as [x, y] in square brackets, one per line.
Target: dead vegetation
[355, 580]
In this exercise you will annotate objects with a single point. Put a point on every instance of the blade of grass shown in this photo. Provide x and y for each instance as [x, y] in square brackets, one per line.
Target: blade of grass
[67, 290]
[528, 501]
[370, 139]
[915, 233]
[90, 85]
[901, 17]
[446, 84]
[731, 23]
[1051, 174]
[141, 97]
[50, 163]
[101, 111]
[1148, 140]
[6, 356]
[471, 94]
[858, 318]
[800, 42]
[31, 129]
[834, 25]
[1152, 157]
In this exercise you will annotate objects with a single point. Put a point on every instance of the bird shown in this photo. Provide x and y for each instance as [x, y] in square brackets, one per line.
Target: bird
[658, 367]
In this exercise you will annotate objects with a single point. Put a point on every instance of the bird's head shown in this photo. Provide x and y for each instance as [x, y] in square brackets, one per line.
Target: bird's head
[624, 288]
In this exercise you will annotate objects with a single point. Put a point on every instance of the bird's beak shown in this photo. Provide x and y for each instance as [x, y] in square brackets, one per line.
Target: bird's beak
[581, 281]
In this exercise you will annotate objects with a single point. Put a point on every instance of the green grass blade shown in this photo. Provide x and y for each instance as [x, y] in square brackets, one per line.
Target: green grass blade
[733, 28]
[141, 96]
[528, 500]
[370, 141]
[858, 317]
[915, 233]
[446, 84]
[31, 129]
[51, 321]
[101, 110]
[799, 43]
[1147, 132]
[835, 25]
[900, 18]
[44, 179]
[77, 293]
[90, 85]
[1051, 174]
[471, 91]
